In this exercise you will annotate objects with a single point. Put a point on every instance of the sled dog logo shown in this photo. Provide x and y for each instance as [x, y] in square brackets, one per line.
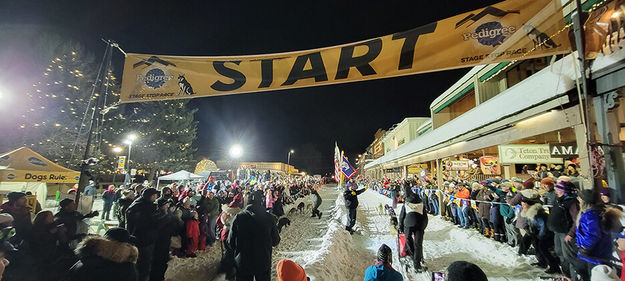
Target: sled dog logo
[490, 10]
[539, 38]
[185, 86]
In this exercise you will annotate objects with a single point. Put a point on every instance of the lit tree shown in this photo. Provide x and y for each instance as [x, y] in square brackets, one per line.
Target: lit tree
[53, 124]
[165, 130]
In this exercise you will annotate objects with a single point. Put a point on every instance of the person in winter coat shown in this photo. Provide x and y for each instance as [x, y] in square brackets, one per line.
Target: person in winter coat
[289, 271]
[412, 221]
[16, 207]
[253, 234]
[272, 197]
[395, 194]
[562, 222]
[521, 224]
[142, 222]
[317, 202]
[166, 230]
[549, 197]
[461, 209]
[112, 257]
[208, 209]
[47, 242]
[75, 228]
[108, 197]
[90, 190]
[225, 220]
[128, 196]
[351, 203]
[382, 269]
[483, 208]
[193, 237]
[594, 244]
[542, 237]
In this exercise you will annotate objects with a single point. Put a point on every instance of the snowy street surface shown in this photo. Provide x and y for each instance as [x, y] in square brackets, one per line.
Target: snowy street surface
[328, 252]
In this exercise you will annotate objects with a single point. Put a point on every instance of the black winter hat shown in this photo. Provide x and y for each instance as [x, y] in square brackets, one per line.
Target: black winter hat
[462, 270]
[161, 201]
[590, 196]
[120, 235]
[385, 254]
[256, 198]
[148, 192]
[65, 202]
[14, 196]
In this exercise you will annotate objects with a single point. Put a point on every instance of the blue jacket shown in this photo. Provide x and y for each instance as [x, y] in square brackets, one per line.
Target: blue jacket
[382, 272]
[595, 245]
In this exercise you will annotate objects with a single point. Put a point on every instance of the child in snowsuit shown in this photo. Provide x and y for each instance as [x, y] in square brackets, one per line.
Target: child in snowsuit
[193, 235]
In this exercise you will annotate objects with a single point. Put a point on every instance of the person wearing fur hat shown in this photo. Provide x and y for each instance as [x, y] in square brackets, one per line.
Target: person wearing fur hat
[412, 221]
[253, 234]
[16, 207]
[111, 257]
[143, 224]
[594, 241]
[382, 269]
[290, 271]
[542, 237]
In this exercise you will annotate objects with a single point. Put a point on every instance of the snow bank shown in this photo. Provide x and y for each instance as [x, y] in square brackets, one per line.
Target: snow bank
[445, 243]
[204, 267]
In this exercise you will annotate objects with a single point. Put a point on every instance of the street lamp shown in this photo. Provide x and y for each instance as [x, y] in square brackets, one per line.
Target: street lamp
[288, 158]
[128, 141]
[236, 151]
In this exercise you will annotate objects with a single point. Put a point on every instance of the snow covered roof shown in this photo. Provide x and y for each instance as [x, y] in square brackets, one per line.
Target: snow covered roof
[545, 85]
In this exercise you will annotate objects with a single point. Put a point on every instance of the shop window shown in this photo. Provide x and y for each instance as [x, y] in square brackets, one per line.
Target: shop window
[525, 69]
[454, 110]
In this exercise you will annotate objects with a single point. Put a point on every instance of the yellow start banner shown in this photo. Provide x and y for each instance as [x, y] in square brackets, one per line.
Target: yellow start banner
[505, 31]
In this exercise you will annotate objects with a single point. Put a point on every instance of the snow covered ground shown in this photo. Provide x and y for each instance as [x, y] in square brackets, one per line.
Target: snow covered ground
[328, 252]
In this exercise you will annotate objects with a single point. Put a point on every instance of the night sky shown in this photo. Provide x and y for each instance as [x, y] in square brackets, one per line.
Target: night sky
[266, 124]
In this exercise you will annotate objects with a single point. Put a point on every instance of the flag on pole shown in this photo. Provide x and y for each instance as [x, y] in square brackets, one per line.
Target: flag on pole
[337, 163]
[346, 168]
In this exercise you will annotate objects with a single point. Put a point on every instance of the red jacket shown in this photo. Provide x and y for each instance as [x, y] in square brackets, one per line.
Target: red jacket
[193, 228]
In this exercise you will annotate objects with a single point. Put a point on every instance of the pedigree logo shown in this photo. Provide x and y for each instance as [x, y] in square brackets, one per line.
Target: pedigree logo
[490, 33]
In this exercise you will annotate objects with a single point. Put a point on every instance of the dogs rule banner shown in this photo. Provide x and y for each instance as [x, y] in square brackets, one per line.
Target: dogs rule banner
[502, 32]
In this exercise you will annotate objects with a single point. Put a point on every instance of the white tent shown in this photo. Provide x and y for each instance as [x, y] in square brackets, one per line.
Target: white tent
[179, 176]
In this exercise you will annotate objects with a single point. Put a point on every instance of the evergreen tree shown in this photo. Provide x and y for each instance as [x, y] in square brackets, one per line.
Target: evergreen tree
[61, 103]
[165, 134]
[53, 124]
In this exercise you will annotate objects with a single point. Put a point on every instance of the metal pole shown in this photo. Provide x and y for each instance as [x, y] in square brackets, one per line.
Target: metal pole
[578, 29]
[288, 159]
[128, 161]
[94, 119]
